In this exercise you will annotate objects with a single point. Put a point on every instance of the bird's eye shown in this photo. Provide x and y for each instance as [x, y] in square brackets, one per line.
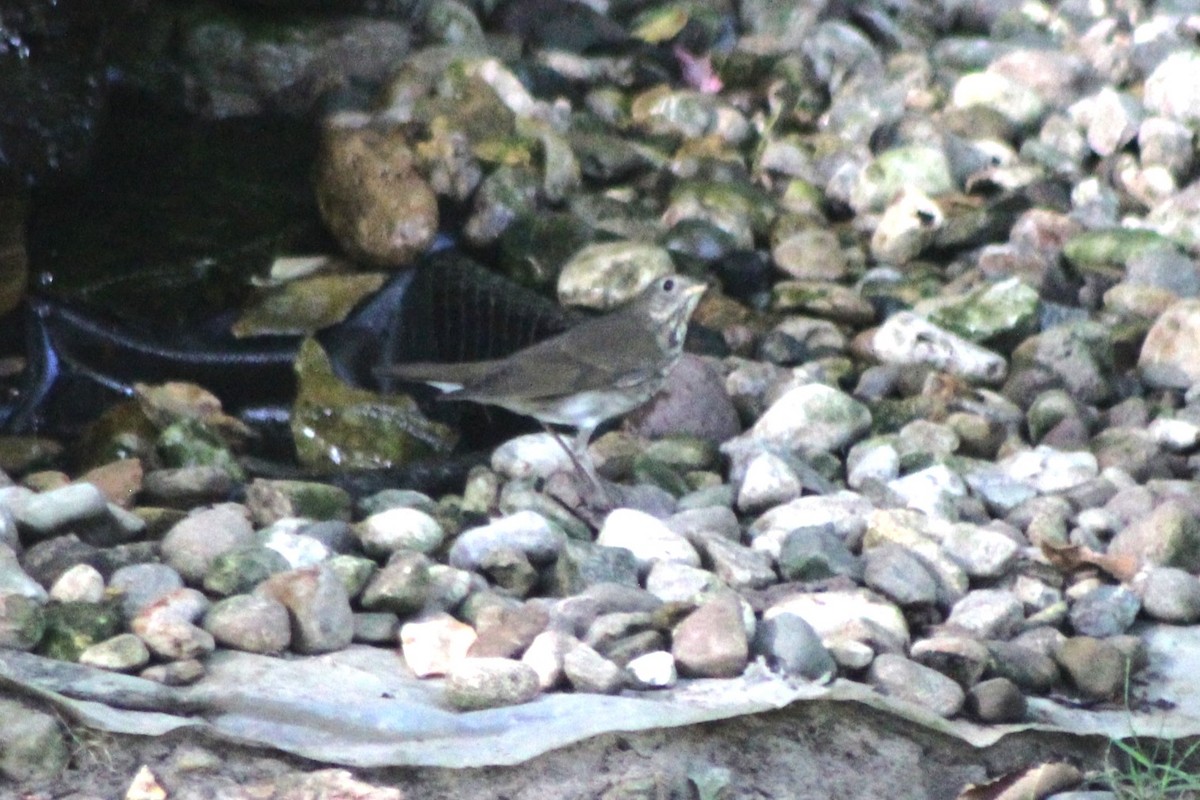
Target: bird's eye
[668, 285]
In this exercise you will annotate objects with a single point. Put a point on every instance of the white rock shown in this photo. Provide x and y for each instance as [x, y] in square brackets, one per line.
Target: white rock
[399, 529]
[1019, 104]
[879, 463]
[907, 339]
[1176, 435]
[527, 531]
[845, 511]
[607, 274]
[298, 549]
[648, 538]
[671, 581]
[82, 583]
[545, 655]
[769, 481]
[907, 227]
[432, 646]
[1171, 89]
[655, 670]
[932, 490]
[535, 455]
[855, 615]
[1049, 470]
[810, 418]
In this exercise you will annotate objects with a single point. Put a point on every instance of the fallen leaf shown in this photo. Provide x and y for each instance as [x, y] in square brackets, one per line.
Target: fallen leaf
[1071, 557]
[1034, 783]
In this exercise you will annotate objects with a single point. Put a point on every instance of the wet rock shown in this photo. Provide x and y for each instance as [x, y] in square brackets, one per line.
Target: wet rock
[272, 500]
[371, 196]
[250, 623]
[434, 644]
[896, 676]
[187, 487]
[478, 683]
[319, 609]
[711, 641]
[14, 580]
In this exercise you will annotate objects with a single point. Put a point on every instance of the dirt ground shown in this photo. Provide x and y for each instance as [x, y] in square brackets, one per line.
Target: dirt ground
[808, 751]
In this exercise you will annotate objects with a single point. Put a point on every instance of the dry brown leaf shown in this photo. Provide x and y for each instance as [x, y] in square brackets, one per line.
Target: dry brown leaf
[1073, 556]
[1034, 783]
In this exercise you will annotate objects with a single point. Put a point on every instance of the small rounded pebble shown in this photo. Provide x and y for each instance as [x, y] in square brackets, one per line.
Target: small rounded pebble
[478, 683]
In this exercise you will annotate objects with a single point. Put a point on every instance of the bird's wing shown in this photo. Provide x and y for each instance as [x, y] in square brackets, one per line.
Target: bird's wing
[447, 377]
[552, 370]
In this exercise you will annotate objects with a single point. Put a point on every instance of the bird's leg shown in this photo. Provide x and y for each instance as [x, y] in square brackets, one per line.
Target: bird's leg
[581, 460]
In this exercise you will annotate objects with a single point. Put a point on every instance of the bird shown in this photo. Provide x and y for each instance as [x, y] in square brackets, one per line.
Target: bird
[590, 373]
